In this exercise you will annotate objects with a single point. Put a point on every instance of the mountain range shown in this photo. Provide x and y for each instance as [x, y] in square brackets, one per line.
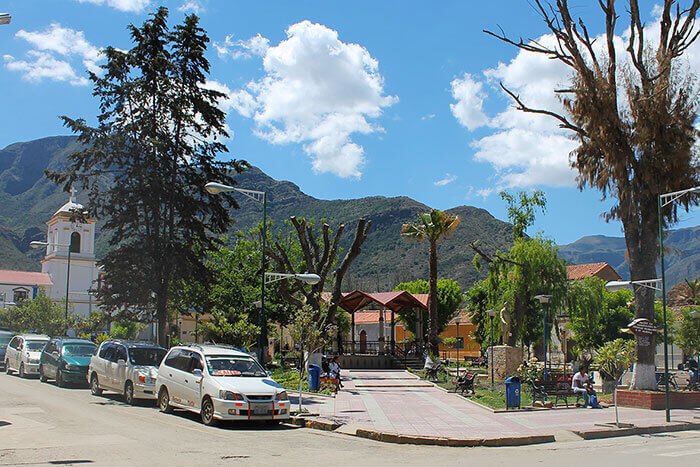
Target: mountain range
[28, 199]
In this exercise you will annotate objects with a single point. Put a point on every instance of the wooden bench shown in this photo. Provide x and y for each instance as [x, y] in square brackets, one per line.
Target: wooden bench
[559, 389]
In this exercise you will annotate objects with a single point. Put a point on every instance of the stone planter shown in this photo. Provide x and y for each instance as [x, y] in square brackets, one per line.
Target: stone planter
[656, 400]
[507, 360]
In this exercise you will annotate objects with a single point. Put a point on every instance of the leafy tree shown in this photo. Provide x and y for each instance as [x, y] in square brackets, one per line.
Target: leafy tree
[145, 165]
[432, 226]
[521, 209]
[596, 314]
[614, 358]
[311, 331]
[40, 315]
[634, 124]
[687, 330]
[125, 329]
[94, 324]
[449, 298]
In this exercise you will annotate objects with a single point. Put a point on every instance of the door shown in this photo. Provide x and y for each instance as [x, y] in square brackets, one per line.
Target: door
[100, 365]
[11, 353]
[49, 364]
[363, 341]
[110, 366]
[173, 374]
[192, 384]
[119, 368]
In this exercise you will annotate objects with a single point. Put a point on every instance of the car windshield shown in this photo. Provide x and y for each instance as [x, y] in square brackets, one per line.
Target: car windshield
[78, 350]
[226, 365]
[146, 356]
[35, 346]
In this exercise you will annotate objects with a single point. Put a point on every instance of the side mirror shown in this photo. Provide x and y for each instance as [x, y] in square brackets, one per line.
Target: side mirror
[197, 372]
[121, 362]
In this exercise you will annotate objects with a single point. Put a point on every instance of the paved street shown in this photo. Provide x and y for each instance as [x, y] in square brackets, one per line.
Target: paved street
[42, 424]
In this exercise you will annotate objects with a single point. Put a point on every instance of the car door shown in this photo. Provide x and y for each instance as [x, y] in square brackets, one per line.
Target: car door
[172, 376]
[11, 354]
[191, 387]
[50, 360]
[18, 354]
[119, 368]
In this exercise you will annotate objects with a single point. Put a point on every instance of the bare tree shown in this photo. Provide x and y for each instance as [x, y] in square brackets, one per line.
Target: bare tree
[633, 124]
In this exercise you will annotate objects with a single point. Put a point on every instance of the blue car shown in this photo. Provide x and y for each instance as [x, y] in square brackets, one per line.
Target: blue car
[5, 338]
[66, 360]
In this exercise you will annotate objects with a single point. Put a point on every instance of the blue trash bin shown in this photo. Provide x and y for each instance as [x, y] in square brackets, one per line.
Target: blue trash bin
[512, 392]
[314, 377]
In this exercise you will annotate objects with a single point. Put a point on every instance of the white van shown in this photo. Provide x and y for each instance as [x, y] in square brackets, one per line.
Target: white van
[219, 383]
[23, 354]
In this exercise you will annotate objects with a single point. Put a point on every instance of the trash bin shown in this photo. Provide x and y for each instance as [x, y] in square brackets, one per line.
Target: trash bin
[512, 392]
[314, 377]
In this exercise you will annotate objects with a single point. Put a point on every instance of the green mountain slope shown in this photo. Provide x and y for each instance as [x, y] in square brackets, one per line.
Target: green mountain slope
[27, 200]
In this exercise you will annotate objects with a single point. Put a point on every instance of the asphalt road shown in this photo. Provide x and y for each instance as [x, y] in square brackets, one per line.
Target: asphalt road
[41, 424]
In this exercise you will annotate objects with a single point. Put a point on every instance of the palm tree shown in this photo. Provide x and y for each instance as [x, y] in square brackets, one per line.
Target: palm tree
[433, 226]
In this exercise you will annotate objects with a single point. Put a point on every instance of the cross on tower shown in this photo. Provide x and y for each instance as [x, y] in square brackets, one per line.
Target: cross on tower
[73, 192]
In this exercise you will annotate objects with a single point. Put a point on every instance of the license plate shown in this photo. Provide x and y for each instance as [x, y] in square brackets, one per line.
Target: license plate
[261, 410]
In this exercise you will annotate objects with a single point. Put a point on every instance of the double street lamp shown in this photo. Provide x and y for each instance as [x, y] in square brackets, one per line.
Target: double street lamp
[37, 244]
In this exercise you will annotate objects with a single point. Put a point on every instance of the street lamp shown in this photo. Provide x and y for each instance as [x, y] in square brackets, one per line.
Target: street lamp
[457, 323]
[5, 18]
[664, 200]
[492, 314]
[37, 244]
[544, 300]
[215, 188]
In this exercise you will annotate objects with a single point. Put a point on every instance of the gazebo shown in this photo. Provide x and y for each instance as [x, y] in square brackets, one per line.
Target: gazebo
[393, 301]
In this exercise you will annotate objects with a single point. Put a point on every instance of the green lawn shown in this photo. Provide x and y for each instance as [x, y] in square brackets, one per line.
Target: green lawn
[288, 378]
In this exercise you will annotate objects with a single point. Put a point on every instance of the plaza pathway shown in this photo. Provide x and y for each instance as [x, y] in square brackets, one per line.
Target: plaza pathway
[398, 402]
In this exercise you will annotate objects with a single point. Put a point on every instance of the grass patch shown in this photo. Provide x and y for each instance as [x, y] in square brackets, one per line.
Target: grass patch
[288, 378]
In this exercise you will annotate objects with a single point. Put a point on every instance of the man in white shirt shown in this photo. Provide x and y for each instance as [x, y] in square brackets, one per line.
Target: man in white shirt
[580, 385]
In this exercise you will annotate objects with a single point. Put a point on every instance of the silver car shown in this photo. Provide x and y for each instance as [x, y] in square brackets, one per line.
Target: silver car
[126, 367]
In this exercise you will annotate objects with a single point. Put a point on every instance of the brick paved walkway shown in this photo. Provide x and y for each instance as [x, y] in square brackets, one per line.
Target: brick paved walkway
[397, 402]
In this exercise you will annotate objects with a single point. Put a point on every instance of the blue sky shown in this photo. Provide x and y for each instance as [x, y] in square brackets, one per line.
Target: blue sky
[405, 103]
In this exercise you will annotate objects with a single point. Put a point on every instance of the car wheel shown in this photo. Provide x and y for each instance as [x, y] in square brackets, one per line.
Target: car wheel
[21, 370]
[207, 412]
[164, 401]
[59, 379]
[95, 386]
[42, 376]
[129, 393]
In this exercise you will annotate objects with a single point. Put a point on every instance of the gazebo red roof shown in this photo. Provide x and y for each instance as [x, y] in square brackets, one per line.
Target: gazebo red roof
[394, 301]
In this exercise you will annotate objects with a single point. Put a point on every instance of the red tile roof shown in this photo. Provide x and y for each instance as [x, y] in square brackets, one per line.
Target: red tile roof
[25, 278]
[371, 316]
[581, 271]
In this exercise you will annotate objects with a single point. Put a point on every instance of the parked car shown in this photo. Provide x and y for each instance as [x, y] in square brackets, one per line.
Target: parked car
[5, 338]
[129, 368]
[23, 354]
[219, 383]
[66, 360]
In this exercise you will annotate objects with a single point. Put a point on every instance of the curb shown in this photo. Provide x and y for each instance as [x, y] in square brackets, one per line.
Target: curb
[453, 442]
[644, 430]
[315, 424]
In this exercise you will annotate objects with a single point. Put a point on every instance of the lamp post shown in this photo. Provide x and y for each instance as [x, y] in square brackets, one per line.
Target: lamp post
[457, 323]
[492, 314]
[37, 244]
[261, 197]
[664, 200]
[544, 301]
[5, 18]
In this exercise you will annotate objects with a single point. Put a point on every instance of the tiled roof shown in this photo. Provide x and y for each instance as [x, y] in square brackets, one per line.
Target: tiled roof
[371, 316]
[25, 278]
[581, 271]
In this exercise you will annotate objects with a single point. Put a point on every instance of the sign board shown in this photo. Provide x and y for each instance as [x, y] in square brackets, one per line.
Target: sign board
[643, 329]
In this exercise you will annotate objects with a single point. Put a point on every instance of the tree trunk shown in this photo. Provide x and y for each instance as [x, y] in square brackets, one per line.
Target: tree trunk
[433, 301]
[162, 319]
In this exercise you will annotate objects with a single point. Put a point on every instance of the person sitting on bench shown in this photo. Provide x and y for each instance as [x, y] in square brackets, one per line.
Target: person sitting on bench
[580, 384]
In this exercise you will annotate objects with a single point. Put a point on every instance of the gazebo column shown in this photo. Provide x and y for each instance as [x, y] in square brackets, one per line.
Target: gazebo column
[352, 332]
[393, 331]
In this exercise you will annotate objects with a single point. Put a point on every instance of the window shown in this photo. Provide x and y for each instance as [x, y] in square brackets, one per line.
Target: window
[171, 361]
[14, 342]
[121, 353]
[20, 294]
[2, 296]
[196, 363]
[110, 353]
[103, 350]
[75, 242]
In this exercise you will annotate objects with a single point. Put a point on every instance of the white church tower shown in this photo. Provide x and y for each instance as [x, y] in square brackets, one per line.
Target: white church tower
[74, 271]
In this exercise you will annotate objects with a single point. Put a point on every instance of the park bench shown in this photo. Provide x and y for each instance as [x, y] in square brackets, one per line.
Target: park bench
[557, 388]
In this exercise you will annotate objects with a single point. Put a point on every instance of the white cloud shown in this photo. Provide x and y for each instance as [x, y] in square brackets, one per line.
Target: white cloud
[255, 46]
[427, 117]
[132, 6]
[317, 91]
[54, 50]
[194, 6]
[446, 180]
[469, 109]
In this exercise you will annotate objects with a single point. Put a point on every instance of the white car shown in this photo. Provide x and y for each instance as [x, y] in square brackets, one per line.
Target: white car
[129, 368]
[219, 383]
[23, 354]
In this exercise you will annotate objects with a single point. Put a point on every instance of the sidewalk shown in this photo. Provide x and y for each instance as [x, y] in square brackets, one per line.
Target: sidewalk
[397, 402]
